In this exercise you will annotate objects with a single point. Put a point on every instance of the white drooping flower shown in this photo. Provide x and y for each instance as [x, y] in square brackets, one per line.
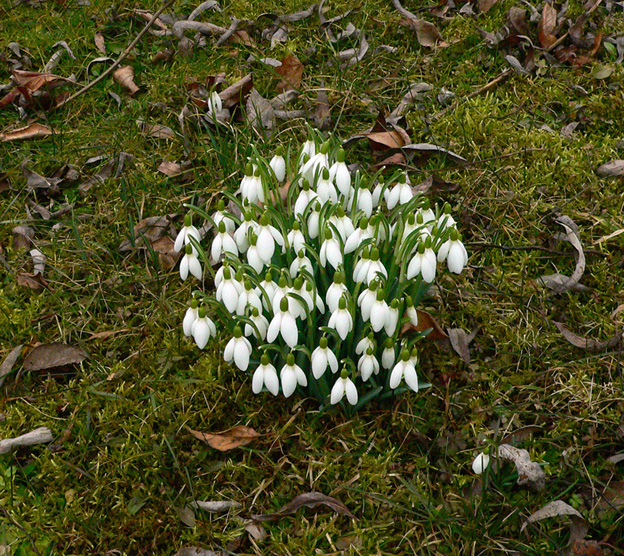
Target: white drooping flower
[335, 291]
[339, 173]
[292, 375]
[317, 299]
[229, 289]
[388, 354]
[241, 235]
[295, 238]
[268, 286]
[325, 189]
[392, 320]
[215, 104]
[366, 343]
[341, 320]
[427, 214]
[283, 323]
[480, 463]
[321, 358]
[366, 299]
[265, 375]
[301, 262]
[253, 254]
[238, 350]
[454, 253]
[344, 385]
[424, 262]
[223, 243]
[190, 317]
[306, 196]
[190, 263]
[308, 150]
[268, 236]
[400, 193]
[261, 324]
[252, 190]
[365, 201]
[379, 312]
[411, 311]
[342, 223]
[220, 215]
[330, 251]
[356, 238]
[404, 370]
[184, 236]
[445, 220]
[375, 267]
[278, 164]
[203, 329]
[313, 168]
[313, 221]
[368, 364]
[248, 297]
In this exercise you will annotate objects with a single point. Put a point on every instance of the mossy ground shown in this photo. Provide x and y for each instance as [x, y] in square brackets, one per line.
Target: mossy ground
[128, 463]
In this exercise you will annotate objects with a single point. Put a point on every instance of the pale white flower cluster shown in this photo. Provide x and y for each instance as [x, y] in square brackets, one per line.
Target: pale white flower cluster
[321, 270]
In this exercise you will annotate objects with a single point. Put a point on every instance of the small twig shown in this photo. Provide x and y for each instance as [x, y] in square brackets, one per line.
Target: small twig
[121, 58]
[487, 87]
[232, 29]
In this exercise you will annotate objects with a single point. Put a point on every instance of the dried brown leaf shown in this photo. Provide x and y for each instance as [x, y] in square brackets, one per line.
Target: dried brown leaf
[256, 531]
[425, 322]
[260, 113]
[529, 472]
[169, 168]
[32, 131]
[309, 500]
[22, 237]
[611, 169]
[571, 236]
[460, 342]
[291, 72]
[124, 76]
[485, 5]
[582, 547]
[235, 94]
[158, 131]
[588, 343]
[215, 507]
[322, 115]
[578, 526]
[7, 365]
[51, 356]
[547, 24]
[196, 551]
[35, 283]
[100, 43]
[517, 19]
[425, 150]
[434, 184]
[383, 140]
[149, 230]
[42, 435]
[228, 440]
[426, 32]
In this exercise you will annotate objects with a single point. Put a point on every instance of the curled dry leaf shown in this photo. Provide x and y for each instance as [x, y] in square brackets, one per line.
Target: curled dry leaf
[529, 472]
[291, 72]
[578, 526]
[228, 440]
[236, 93]
[51, 356]
[215, 507]
[39, 261]
[588, 343]
[309, 500]
[158, 131]
[322, 115]
[42, 435]
[460, 342]
[546, 26]
[32, 131]
[22, 237]
[611, 169]
[100, 44]
[260, 112]
[195, 551]
[150, 230]
[426, 32]
[256, 531]
[124, 76]
[571, 236]
[7, 365]
[35, 283]
[426, 322]
[169, 168]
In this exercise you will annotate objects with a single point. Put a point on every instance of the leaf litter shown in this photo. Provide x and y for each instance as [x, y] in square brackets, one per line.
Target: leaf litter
[228, 440]
[307, 500]
[41, 435]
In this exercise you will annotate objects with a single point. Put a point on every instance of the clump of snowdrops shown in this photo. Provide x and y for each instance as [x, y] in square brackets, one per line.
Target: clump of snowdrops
[321, 272]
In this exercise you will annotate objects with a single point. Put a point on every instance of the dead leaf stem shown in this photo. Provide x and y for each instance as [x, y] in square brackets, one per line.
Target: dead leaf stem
[121, 58]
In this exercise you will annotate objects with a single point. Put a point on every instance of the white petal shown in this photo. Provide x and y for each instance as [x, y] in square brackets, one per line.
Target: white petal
[318, 362]
[270, 380]
[334, 256]
[444, 251]
[333, 362]
[195, 267]
[409, 374]
[274, 327]
[254, 259]
[189, 318]
[288, 328]
[378, 315]
[343, 323]
[337, 391]
[396, 375]
[480, 463]
[257, 382]
[387, 358]
[242, 351]
[217, 247]
[351, 391]
[180, 240]
[392, 320]
[184, 267]
[365, 202]
[301, 377]
[230, 296]
[228, 352]
[414, 267]
[201, 333]
[289, 380]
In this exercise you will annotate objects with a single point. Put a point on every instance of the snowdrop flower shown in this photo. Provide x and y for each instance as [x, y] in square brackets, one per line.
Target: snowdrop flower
[283, 323]
[238, 349]
[312, 169]
[249, 296]
[427, 214]
[215, 105]
[361, 267]
[189, 318]
[281, 290]
[366, 299]
[375, 267]
[454, 252]
[360, 234]
[378, 192]
[308, 149]
[415, 225]
[298, 309]
[392, 320]
[336, 291]
[365, 201]
[344, 385]
[268, 236]
[342, 223]
[305, 197]
[341, 320]
[379, 312]
[480, 463]
[404, 370]
[295, 238]
[278, 164]
[223, 243]
[301, 263]
[410, 311]
[388, 354]
[265, 375]
[325, 189]
[445, 220]
[186, 233]
[316, 300]
[366, 343]
[241, 235]
[321, 358]
[414, 356]
[423, 263]
[261, 322]
[229, 290]
[313, 221]
[269, 287]
[330, 251]
[221, 216]
[203, 329]
[401, 193]
[339, 173]
[368, 364]
[253, 255]
[254, 191]
[292, 375]
[190, 263]
[247, 179]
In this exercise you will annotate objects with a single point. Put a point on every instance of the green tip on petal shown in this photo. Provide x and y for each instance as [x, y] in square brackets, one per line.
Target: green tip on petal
[323, 343]
[268, 277]
[340, 212]
[420, 219]
[237, 332]
[364, 223]
[264, 360]
[239, 276]
[284, 304]
[188, 249]
[454, 235]
[340, 155]
[298, 283]
[395, 304]
[296, 226]
[409, 302]
[414, 352]
[282, 281]
[421, 248]
[446, 208]
[253, 238]
[342, 304]
[201, 312]
[227, 273]
[405, 355]
[290, 360]
[221, 227]
[371, 335]
[188, 220]
[248, 216]
[428, 242]
[344, 374]
[370, 351]
[248, 285]
[374, 254]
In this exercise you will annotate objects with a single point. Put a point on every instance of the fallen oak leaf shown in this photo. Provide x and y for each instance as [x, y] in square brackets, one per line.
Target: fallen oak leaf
[547, 24]
[34, 282]
[309, 500]
[51, 356]
[228, 440]
[588, 343]
[578, 526]
[460, 342]
[124, 76]
[291, 72]
[100, 44]
[32, 131]
[427, 33]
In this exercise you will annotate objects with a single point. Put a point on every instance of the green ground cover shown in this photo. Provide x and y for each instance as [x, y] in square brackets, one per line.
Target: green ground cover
[123, 468]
